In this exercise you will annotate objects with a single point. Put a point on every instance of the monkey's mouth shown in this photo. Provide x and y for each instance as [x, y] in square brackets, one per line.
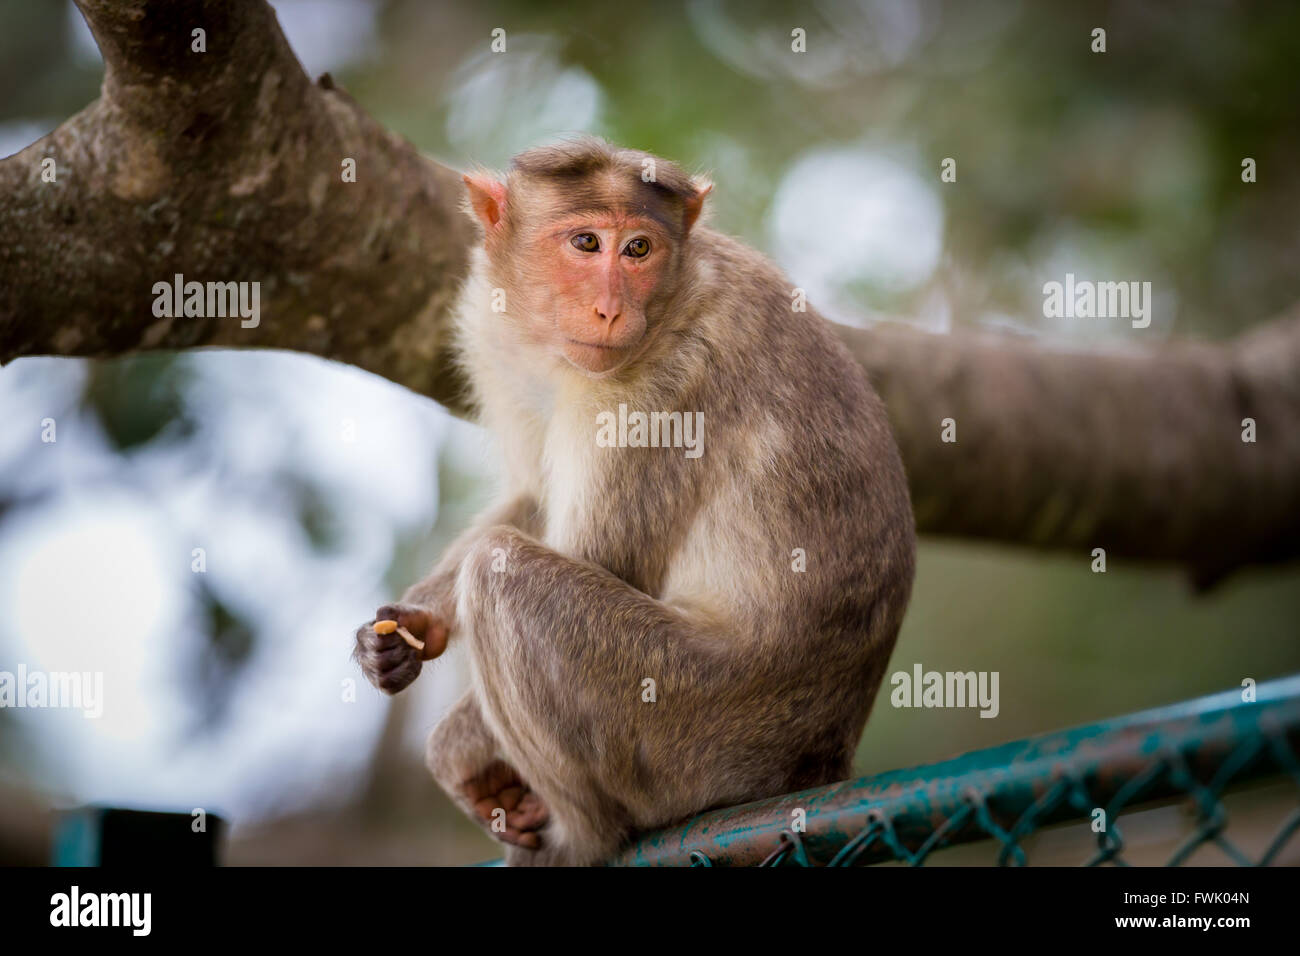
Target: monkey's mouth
[597, 345]
[595, 358]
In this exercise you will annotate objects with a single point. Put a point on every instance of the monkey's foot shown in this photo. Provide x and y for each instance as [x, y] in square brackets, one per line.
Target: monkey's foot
[512, 812]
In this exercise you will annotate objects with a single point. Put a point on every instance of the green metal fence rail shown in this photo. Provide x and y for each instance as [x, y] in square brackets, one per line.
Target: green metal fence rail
[1195, 750]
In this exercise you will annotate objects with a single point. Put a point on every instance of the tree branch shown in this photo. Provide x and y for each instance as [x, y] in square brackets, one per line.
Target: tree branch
[226, 165]
[1139, 452]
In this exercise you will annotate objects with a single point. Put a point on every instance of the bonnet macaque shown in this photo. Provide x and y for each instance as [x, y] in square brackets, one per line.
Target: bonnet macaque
[689, 591]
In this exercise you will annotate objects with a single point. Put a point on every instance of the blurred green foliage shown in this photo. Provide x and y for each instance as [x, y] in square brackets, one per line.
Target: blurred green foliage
[1133, 155]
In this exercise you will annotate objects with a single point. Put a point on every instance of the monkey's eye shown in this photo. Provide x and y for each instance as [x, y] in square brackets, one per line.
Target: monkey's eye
[637, 248]
[586, 242]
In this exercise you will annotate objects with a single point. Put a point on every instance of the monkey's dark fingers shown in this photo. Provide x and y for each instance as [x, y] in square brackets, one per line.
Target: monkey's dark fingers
[370, 643]
[398, 678]
[376, 658]
[387, 658]
[421, 624]
[390, 666]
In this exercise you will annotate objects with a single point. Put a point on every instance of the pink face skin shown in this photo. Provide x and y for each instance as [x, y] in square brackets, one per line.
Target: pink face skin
[602, 270]
[597, 271]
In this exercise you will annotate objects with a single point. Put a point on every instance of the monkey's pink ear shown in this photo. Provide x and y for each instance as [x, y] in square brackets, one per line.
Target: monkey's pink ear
[487, 198]
[695, 204]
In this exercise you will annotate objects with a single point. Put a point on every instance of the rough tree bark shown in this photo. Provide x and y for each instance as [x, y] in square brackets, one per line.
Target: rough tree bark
[1139, 452]
[225, 165]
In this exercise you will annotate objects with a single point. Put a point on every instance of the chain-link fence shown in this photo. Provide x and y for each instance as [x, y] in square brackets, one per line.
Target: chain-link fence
[1100, 776]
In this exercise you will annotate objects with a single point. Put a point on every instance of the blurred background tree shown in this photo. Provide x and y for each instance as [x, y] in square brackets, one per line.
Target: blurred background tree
[227, 689]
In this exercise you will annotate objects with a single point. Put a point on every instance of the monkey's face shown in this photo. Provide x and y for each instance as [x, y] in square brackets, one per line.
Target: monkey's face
[589, 261]
[596, 278]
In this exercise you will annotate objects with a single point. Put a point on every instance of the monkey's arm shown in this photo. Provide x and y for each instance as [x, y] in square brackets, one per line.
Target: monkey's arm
[428, 608]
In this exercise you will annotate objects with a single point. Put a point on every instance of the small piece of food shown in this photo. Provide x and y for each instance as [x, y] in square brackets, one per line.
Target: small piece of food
[387, 627]
[410, 638]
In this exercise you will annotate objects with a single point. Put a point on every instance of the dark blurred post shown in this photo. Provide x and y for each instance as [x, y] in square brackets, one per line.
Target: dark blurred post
[109, 836]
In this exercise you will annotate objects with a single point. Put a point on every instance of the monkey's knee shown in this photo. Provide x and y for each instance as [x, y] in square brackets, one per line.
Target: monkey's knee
[491, 560]
[483, 592]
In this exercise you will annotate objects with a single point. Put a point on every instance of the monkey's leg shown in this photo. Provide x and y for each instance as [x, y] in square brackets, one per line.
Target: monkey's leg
[561, 650]
[463, 757]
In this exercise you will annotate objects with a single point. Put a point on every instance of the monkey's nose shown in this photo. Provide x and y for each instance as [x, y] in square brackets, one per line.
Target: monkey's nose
[608, 312]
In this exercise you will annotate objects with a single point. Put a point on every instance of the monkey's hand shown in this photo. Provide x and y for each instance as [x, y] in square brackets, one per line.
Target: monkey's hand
[511, 811]
[387, 660]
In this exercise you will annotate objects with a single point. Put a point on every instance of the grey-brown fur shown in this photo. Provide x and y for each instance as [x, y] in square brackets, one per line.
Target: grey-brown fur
[623, 564]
